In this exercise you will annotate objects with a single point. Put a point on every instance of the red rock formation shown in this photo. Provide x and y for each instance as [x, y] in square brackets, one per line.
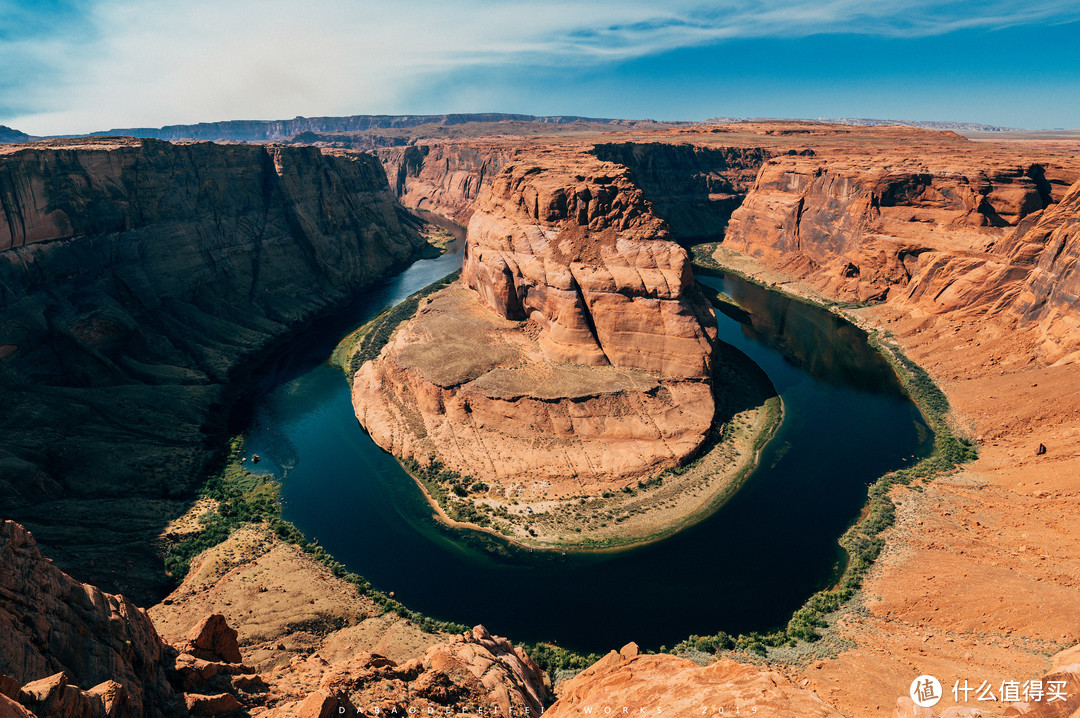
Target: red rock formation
[586, 360]
[54, 626]
[863, 225]
[469, 673]
[976, 239]
[1049, 248]
[582, 256]
[57, 635]
[213, 640]
[628, 683]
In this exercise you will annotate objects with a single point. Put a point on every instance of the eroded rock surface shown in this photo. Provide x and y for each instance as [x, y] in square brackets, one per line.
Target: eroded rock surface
[474, 672]
[67, 650]
[940, 232]
[59, 634]
[578, 353]
[628, 683]
[445, 178]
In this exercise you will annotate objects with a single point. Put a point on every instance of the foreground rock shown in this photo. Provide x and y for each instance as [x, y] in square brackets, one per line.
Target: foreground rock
[626, 683]
[67, 650]
[472, 673]
[58, 634]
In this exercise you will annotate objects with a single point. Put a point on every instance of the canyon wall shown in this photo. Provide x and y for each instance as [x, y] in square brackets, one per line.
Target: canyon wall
[445, 178]
[981, 237]
[576, 355]
[693, 188]
[138, 281]
[1049, 294]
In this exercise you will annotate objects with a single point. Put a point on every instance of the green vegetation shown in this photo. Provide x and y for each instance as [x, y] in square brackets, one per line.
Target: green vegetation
[552, 658]
[441, 483]
[366, 342]
[245, 498]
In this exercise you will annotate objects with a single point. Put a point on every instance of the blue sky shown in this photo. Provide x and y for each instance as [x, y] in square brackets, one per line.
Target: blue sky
[81, 65]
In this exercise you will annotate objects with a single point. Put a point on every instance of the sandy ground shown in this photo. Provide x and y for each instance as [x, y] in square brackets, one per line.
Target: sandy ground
[283, 603]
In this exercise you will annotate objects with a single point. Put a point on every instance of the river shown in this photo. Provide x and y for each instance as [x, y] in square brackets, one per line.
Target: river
[745, 568]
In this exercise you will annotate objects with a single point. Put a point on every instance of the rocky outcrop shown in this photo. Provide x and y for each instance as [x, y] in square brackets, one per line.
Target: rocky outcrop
[580, 358]
[627, 682]
[445, 178]
[138, 282]
[474, 672]
[58, 634]
[574, 247]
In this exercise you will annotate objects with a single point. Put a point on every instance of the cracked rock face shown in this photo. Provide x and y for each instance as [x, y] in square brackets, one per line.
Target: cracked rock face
[574, 354]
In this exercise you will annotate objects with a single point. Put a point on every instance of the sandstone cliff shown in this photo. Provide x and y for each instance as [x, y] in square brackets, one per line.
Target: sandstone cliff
[987, 237]
[445, 178]
[1049, 293]
[137, 281]
[862, 226]
[580, 358]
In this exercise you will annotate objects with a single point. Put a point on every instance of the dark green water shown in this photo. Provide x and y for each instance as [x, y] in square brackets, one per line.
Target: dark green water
[747, 567]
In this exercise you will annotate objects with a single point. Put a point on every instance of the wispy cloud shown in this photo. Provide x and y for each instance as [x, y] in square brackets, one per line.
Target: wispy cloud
[80, 65]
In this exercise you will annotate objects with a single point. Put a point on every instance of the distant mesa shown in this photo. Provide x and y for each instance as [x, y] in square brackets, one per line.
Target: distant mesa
[8, 134]
[269, 130]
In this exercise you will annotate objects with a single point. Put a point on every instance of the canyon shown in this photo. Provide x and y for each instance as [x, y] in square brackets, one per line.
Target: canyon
[140, 282]
[142, 278]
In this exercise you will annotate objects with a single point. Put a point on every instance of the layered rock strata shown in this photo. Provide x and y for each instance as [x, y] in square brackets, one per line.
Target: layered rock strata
[694, 188]
[445, 178]
[576, 355]
[137, 281]
[976, 239]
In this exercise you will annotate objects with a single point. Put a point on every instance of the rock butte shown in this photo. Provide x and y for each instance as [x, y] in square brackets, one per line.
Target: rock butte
[968, 251]
[576, 355]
